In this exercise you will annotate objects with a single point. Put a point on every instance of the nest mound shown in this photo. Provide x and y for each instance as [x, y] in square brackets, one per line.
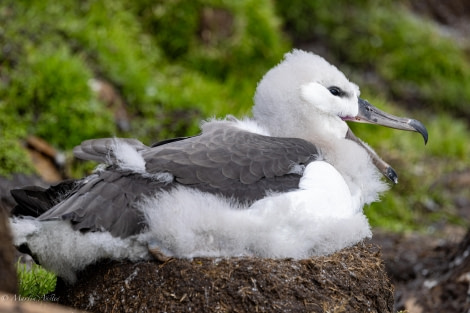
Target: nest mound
[351, 280]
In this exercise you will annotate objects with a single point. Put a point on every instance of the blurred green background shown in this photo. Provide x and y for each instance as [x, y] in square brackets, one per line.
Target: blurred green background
[74, 70]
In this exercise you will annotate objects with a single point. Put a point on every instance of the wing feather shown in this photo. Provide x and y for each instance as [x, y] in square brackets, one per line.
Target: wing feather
[240, 156]
[227, 161]
[107, 201]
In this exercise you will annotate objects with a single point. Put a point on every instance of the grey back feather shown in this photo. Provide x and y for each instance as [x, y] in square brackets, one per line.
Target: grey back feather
[229, 154]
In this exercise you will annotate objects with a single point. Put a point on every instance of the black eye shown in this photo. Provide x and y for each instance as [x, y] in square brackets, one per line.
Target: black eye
[336, 91]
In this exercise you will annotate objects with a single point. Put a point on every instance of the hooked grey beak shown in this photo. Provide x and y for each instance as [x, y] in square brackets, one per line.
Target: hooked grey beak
[370, 114]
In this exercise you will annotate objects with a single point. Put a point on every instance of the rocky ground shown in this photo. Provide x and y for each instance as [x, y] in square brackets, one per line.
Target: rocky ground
[429, 274]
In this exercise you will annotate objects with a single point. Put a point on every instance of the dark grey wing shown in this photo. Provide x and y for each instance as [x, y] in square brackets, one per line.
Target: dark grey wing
[233, 162]
[34, 201]
[228, 161]
[108, 201]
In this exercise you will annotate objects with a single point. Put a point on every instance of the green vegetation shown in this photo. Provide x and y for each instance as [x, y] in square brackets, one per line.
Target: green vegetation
[13, 157]
[49, 92]
[53, 49]
[35, 282]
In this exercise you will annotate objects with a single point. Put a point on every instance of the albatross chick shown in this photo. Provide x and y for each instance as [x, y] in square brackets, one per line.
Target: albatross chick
[290, 182]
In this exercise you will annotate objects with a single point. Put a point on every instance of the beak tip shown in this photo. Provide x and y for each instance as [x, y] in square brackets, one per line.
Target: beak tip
[420, 128]
[391, 175]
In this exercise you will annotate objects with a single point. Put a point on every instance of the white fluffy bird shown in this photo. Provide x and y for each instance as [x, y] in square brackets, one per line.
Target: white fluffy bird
[290, 182]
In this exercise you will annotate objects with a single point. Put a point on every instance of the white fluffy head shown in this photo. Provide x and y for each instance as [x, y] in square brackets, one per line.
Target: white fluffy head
[296, 98]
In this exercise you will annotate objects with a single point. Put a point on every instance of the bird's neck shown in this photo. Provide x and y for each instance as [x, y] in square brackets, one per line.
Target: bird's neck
[317, 130]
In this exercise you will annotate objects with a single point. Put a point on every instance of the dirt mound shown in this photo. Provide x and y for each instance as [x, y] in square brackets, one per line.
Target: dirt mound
[352, 280]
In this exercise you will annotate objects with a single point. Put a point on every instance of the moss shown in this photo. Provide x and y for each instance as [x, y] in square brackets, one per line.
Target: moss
[214, 37]
[13, 157]
[162, 70]
[34, 283]
[157, 54]
[116, 48]
[49, 95]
